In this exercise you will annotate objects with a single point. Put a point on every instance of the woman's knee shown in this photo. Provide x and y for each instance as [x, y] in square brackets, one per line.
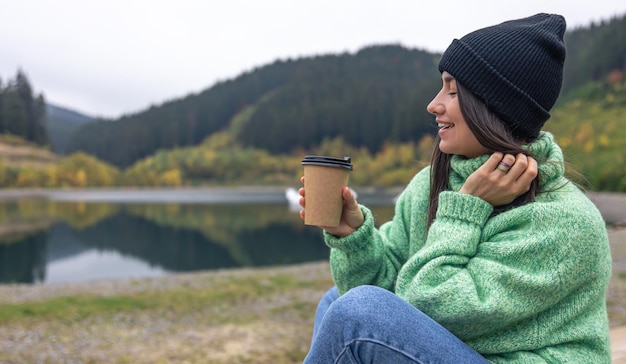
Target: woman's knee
[368, 295]
[331, 295]
[358, 303]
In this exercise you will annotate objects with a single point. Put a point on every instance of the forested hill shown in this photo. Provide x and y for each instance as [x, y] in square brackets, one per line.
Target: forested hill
[373, 96]
[594, 52]
[379, 93]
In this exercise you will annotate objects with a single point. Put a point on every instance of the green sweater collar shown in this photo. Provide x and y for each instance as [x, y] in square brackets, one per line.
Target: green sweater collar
[545, 150]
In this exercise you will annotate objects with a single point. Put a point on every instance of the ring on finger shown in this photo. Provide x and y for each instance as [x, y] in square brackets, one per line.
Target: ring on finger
[504, 167]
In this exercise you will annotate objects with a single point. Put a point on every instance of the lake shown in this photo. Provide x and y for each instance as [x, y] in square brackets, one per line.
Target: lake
[60, 236]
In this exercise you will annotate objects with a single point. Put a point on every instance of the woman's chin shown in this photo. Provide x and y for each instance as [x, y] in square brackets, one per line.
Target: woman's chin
[446, 148]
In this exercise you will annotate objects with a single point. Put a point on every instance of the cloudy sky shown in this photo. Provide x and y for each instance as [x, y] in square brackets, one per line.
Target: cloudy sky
[111, 57]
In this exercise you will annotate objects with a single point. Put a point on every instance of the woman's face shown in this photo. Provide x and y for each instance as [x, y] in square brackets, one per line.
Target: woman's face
[456, 137]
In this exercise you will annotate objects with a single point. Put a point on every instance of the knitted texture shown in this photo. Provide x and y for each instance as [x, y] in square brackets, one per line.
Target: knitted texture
[515, 67]
[526, 285]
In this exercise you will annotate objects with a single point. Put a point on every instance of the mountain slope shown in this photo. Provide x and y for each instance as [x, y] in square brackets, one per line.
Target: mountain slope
[373, 96]
[366, 97]
[15, 152]
[61, 124]
[590, 125]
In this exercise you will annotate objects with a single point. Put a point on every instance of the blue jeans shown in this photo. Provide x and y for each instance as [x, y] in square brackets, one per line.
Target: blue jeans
[369, 324]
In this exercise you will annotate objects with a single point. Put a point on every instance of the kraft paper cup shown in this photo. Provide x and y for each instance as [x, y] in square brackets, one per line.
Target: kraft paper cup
[324, 178]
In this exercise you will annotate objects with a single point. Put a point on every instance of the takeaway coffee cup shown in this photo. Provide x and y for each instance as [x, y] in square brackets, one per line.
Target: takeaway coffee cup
[324, 178]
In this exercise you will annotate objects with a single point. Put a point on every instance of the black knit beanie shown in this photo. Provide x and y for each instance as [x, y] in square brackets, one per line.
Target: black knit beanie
[515, 67]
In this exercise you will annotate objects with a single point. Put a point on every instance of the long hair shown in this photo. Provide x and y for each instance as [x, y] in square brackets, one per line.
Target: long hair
[490, 132]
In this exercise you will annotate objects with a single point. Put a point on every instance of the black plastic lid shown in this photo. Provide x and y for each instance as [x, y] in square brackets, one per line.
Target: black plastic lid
[320, 160]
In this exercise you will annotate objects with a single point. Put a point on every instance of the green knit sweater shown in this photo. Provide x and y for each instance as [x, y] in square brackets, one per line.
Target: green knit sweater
[525, 286]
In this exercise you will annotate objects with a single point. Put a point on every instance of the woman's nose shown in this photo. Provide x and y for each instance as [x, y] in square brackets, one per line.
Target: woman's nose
[435, 107]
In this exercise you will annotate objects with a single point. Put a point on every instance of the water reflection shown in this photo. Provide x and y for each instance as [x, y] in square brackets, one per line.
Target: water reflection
[94, 264]
[24, 260]
[49, 241]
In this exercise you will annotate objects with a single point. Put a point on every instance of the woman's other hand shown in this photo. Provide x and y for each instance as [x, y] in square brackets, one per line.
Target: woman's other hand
[502, 178]
[351, 215]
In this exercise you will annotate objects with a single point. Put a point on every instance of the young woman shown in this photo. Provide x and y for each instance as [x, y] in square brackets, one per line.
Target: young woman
[492, 255]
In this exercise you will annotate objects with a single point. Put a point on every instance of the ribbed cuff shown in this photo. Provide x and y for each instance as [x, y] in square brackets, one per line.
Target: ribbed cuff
[358, 239]
[464, 207]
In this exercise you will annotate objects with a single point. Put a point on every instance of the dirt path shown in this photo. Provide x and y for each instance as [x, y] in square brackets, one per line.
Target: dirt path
[611, 205]
[613, 209]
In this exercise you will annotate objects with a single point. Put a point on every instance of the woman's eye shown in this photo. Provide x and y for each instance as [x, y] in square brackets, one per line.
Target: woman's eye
[452, 93]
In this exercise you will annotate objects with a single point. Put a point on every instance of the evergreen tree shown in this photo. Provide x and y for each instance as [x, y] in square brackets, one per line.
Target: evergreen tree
[1, 107]
[21, 113]
[14, 113]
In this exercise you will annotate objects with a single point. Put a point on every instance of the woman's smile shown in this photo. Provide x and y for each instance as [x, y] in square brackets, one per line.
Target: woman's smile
[443, 127]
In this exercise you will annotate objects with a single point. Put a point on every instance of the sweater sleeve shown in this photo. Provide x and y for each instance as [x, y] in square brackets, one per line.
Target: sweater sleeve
[477, 275]
[374, 256]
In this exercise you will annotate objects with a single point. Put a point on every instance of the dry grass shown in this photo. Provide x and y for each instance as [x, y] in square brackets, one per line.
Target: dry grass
[240, 316]
[15, 152]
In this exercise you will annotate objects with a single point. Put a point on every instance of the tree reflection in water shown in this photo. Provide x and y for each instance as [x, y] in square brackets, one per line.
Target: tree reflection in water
[170, 237]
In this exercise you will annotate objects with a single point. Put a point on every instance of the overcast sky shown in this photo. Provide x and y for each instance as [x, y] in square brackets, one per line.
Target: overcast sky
[111, 57]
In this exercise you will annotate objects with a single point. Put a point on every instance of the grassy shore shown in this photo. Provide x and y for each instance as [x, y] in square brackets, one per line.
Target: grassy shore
[239, 316]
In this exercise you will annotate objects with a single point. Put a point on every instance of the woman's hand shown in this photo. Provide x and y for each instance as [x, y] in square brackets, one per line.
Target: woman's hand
[502, 178]
[351, 215]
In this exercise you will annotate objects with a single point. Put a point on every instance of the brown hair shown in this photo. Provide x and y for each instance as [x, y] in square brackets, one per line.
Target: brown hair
[490, 132]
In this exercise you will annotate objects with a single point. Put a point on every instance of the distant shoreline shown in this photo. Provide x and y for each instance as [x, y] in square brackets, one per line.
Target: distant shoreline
[205, 194]
[43, 192]
[612, 205]
[132, 193]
